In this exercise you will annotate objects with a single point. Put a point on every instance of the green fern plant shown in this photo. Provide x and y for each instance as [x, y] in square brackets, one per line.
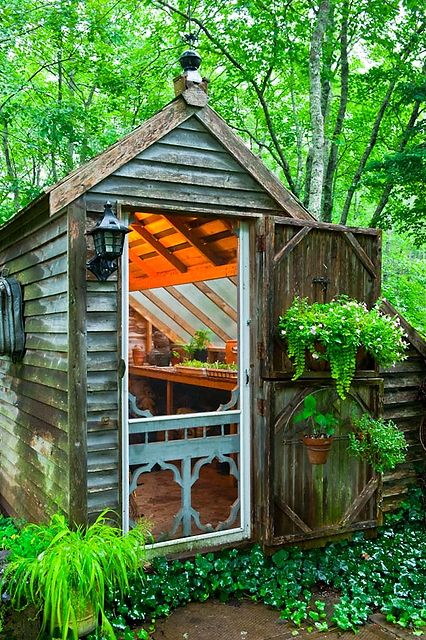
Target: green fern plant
[70, 576]
[379, 442]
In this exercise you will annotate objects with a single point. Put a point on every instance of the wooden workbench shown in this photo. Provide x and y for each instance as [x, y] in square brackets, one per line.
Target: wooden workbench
[173, 375]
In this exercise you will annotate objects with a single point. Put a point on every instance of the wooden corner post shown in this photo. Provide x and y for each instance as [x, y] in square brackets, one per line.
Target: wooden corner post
[77, 357]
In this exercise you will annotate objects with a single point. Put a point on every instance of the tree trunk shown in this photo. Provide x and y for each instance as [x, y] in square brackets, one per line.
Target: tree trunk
[367, 151]
[317, 119]
[344, 88]
[403, 143]
[11, 176]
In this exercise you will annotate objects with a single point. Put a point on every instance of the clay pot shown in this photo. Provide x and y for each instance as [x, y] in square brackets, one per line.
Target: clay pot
[314, 364]
[180, 354]
[317, 449]
[138, 355]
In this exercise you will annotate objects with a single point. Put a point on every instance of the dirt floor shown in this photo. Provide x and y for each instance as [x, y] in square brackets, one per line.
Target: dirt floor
[245, 620]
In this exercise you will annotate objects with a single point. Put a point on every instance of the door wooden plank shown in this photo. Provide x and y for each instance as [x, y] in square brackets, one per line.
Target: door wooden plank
[293, 516]
[363, 257]
[288, 248]
[360, 501]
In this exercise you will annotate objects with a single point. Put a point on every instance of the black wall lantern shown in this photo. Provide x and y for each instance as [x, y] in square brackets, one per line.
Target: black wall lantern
[108, 237]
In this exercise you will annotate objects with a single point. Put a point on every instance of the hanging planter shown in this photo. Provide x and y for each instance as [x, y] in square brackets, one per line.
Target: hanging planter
[342, 335]
[321, 427]
[317, 448]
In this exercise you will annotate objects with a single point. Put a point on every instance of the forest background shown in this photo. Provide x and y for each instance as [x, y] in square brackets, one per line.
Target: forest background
[329, 94]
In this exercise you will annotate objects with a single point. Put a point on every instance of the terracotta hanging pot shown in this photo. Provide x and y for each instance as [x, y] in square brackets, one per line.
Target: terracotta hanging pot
[317, 449]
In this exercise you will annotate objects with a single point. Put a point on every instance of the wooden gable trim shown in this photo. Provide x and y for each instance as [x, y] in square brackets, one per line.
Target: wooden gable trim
[96, 170]
[222, 132]
[414, 336]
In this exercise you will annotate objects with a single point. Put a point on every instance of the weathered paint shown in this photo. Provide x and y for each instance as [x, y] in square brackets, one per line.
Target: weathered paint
[33, 392]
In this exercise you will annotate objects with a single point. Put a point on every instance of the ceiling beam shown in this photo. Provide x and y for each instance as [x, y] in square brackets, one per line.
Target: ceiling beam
[159, 248]
[200, 315]
[218, 301]
[158, 324]
[194, 241]
[137, 261]
[165, 308]
[194, 274]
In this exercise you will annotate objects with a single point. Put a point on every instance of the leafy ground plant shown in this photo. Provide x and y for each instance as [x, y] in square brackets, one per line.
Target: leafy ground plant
[386, 574]
[66, 571]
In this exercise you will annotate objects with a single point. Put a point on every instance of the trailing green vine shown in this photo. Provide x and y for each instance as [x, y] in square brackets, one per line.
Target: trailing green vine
[386, 574]
[334, 332]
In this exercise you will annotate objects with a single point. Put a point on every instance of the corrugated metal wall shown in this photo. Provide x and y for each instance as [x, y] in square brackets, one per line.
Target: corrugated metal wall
[34, 477]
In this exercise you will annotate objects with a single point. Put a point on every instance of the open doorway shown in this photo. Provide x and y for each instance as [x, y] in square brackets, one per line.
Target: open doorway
[186, 399]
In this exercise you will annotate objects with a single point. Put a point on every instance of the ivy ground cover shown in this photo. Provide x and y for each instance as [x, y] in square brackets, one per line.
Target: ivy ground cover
[385, 574]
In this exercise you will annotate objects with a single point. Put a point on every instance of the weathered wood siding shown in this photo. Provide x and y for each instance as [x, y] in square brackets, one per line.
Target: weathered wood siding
[103, 451]
[187, 168]
[34, 478]
[405, 407]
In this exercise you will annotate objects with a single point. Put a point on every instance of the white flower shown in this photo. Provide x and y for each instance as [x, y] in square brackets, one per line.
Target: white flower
[313, 330]
[301, 326]
[283, 333]
[315, 356]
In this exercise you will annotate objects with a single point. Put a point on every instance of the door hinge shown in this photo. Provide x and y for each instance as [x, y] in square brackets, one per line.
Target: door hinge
[261, 406]
[261, 244]
[121, 368]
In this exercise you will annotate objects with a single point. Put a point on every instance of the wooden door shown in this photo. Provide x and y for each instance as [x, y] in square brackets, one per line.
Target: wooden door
[309, 501]
[315, 261]
[300, 502]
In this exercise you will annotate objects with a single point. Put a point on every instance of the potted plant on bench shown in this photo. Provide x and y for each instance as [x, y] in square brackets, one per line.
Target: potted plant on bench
[319, 430]
[196, 349]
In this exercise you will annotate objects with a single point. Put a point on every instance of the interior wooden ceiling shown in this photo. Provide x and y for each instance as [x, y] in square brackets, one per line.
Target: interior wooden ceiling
[166, 250]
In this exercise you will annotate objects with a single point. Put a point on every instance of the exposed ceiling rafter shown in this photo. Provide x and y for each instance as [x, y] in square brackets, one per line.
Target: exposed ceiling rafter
[194, 241]
[159, 248]
[200, 315]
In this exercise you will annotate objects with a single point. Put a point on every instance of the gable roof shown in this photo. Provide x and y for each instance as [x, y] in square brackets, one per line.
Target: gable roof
[178, 111]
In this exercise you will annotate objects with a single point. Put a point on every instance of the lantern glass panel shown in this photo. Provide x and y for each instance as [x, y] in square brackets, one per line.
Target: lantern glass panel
[98, 239]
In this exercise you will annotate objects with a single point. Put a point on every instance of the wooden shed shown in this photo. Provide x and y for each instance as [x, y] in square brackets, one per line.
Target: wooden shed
[99, 412]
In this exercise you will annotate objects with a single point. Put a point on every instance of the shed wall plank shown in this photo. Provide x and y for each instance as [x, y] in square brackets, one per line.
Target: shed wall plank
[34, 393]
